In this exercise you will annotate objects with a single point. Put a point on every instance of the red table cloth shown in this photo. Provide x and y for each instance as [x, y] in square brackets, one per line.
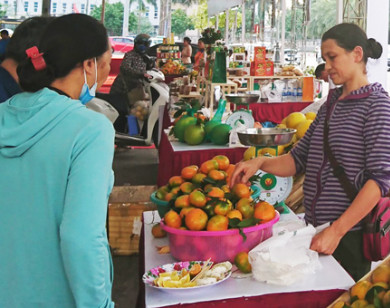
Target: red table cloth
[274, 112]
[171, 162]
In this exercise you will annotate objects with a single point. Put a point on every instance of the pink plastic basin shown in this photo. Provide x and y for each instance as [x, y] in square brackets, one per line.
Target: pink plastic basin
[220, 246]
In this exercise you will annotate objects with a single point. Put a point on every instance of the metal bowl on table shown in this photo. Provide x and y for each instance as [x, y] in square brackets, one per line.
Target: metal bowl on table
[266, 136]
[242, 98]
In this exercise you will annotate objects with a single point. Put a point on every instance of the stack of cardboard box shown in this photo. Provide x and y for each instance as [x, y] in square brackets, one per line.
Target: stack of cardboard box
[261, 66]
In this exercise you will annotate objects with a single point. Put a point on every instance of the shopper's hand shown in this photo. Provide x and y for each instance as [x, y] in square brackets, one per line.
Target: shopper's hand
[146, 75]
[326, 241]
[244, 170]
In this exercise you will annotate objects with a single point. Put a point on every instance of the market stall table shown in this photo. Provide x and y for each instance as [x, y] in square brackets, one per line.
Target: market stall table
[316, 290]
[274, 112]
[174, 156]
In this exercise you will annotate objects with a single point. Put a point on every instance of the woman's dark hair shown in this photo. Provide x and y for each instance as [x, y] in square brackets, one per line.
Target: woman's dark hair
[26, 35]
[348, 36]
[66, 42]
[187, 39]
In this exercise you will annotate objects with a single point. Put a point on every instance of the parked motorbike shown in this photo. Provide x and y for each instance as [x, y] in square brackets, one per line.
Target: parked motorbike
[158, 93]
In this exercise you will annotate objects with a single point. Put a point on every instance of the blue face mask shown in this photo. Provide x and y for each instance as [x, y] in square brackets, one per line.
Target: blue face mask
[88, 93]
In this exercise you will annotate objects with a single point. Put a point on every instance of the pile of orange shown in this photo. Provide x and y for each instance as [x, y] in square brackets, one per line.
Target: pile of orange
[201, 199]
[373, 291]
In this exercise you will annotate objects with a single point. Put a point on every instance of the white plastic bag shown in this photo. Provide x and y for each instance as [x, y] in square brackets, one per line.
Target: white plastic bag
[285, 258]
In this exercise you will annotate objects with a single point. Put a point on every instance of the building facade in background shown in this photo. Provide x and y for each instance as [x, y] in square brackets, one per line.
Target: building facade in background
[28, 8]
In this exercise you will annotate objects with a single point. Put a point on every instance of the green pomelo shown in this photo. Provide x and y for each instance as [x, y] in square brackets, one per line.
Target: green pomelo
[220, 134]
[194, 134]
[209, 127]
[180, 126]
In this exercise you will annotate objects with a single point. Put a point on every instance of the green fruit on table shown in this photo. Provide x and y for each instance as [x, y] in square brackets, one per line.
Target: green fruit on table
[209, 127]
[220, 134]
[180, 126]
[194, 134]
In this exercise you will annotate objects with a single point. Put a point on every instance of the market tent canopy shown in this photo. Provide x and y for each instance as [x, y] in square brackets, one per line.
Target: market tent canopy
[215, 7]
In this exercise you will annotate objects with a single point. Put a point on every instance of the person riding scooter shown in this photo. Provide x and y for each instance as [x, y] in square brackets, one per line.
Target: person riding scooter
[128, 87]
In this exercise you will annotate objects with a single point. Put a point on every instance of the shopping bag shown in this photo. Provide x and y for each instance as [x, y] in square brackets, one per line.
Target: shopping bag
[218, 68]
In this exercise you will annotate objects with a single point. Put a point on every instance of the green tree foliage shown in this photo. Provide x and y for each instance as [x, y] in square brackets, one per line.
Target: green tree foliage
[323, 17]
[200, 18]
[113, 19]
[181, 22]
[3, 10]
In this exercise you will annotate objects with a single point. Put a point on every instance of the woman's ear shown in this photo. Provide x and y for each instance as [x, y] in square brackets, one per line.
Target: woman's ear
[358, 54]
[89, 66]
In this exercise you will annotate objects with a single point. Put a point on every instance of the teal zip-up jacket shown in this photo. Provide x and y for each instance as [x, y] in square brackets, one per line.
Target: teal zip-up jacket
[55, 179]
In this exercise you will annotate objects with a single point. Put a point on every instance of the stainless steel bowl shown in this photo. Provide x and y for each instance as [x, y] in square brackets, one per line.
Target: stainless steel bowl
[242, 98]
[266, 136]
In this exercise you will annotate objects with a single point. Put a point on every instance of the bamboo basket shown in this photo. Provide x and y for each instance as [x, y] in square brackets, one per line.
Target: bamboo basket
[126, 205]
[345, 296]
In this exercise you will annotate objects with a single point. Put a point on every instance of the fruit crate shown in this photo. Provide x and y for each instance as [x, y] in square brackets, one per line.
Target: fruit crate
[345, 297]
[126, 205]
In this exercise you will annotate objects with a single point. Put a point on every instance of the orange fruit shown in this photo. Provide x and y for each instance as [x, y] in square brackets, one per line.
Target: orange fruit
[169, 196]
[264, 211]
[226, 189]
[185, 210]
[208, 165]
[175, 190]
[223, 207]
[223, 162]
[381, 274]
[215, 192]
[242, 262]
[182, 201]
[360, 289]
[198, 178]
[245, 207]
[196, 220]
[208, 187]
[175, 181]
[189, 172]
[172, 219]
[218, 223]
[157, 231]
[186, 187]
[161, 192]
[197, 198]
[216, 175]
[234, 214]
[229, 172]
[241, 191]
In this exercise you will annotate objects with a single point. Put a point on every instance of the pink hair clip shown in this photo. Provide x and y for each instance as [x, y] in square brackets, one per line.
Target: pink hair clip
[36, 58]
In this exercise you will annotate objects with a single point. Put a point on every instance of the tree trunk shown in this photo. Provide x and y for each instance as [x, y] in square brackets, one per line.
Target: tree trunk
[169, 5]
[163, 9]
[261, 17]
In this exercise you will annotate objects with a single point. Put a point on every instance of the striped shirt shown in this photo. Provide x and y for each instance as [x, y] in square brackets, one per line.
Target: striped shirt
[359, 135]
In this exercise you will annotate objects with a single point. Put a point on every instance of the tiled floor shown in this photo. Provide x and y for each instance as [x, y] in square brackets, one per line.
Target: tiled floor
[131, 167]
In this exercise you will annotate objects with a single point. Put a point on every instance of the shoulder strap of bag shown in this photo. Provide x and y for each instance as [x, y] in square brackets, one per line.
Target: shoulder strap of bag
[338, 170]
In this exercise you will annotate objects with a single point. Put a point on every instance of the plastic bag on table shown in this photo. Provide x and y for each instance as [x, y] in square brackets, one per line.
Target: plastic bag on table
[234, 141]
[285, 258]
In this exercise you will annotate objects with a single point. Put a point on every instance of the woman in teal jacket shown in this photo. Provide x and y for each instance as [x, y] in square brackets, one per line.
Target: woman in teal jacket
[56, 173]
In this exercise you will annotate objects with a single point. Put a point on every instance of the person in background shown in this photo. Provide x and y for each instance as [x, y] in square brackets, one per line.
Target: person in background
[56, 173]
[26, 35]
[358, 137]
[322, 74]
[127, 87]
[187, 51]
[200, 56]
[3, 43]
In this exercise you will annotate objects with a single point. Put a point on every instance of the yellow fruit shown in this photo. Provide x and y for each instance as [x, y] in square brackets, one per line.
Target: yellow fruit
[360, 289]
[272, 151]
[360, 303]
[381, 274]
[284, 121]
[310, 115]
[250, 153]
[293, 119]
[303, 127]
[379, 288]
[281, 125]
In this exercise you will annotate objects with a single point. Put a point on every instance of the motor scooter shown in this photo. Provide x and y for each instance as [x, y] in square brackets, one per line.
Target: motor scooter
[158, 93]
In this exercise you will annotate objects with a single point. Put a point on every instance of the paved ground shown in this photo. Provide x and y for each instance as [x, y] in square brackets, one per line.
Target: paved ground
[131, 167]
